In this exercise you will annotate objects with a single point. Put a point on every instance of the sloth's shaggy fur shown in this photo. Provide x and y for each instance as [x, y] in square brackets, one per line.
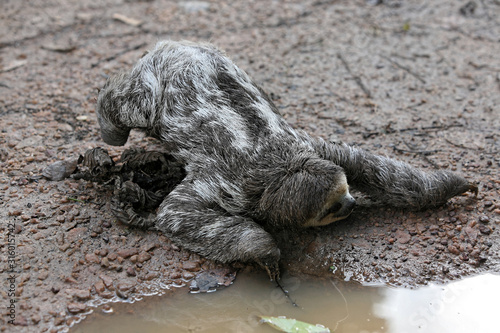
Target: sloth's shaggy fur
[246, 167]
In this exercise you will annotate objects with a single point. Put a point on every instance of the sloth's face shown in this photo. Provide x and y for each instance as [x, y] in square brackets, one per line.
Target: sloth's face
[338, 206]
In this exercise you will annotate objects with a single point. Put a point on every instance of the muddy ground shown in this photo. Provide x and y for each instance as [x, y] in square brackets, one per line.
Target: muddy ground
[415, 80]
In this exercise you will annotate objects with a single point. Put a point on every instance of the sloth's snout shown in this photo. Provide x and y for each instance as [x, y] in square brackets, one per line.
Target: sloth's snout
[347, 204]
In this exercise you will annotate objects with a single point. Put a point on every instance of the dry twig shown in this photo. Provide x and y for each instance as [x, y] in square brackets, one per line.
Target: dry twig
[410, 71]
[356, 78]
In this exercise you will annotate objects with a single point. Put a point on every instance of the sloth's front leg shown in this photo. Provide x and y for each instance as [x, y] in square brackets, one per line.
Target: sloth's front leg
[202, 226]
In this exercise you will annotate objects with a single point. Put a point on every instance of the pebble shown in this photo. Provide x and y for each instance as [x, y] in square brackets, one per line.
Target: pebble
[484, 229]
[126, 253]
[452, 249]
[99, 287]
[131, 271]
[484, 219]
[402, 236]
[76, 307]
[126, 286]
[92, 258]
[108, 282]
[36, 318]
[191, 266]
[105, 262]
[79, 294]
[148, 247]
[150, 276]
[143, 256]
[43, 275]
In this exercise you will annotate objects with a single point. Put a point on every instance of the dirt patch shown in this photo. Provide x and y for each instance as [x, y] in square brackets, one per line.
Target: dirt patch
[416, 81]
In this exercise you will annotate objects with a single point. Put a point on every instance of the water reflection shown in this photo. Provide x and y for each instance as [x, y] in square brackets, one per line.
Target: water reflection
[469, 305]
[465, 306]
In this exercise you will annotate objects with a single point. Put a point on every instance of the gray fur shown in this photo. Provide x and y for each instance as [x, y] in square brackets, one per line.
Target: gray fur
[246, 167]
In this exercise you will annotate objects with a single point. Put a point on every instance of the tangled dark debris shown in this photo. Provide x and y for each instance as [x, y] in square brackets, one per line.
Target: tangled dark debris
[140, 180]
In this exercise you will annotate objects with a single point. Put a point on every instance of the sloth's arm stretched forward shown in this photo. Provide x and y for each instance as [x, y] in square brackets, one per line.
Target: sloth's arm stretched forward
[393, 182]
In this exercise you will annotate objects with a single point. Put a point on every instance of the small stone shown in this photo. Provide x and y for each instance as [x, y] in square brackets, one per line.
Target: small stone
[484, 219]
[43, 275]
[148, 247]
[70, 279]
[15, 213]
[125, 286]
[105, 262]
[60, 170]
[20, 321]
[402, 236]
[36, 318]
[125, 253]
[484, 229]
[131, 271]
[92, 258]
[107, 294]
[108, 282]
[79, 294]
[191, 266]
[99, 287]
[150, 276]
[453, 249]
[76, 307]
[122, 294]
[143, 256]
[58, 321]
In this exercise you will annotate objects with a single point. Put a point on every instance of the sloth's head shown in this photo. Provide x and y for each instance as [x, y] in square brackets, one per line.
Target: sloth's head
[338, 206]
[306, 191]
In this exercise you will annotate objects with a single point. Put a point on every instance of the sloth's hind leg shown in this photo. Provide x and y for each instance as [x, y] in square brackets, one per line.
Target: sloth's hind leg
[204, 227]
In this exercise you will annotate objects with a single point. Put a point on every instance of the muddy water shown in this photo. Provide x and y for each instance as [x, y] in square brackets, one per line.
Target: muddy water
[469, 305]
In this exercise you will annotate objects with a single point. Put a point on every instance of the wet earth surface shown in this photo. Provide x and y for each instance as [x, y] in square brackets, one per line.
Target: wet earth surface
[416, 81]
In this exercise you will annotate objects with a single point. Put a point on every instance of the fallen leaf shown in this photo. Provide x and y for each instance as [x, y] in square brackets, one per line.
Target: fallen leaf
[292, 325]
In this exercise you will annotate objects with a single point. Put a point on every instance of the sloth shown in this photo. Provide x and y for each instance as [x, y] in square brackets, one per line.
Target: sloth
[247, 170]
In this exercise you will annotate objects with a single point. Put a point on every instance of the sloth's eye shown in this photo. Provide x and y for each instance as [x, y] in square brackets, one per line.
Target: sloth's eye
[335, 208]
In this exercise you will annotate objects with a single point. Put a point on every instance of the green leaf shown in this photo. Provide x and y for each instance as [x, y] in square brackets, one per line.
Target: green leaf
[292, 325]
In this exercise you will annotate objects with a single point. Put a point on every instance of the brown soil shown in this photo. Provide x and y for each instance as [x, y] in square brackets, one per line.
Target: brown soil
[418, 81]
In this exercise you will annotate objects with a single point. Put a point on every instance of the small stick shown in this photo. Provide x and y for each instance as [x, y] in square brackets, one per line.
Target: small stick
[285, 292]
[356, 78]
[417, 76]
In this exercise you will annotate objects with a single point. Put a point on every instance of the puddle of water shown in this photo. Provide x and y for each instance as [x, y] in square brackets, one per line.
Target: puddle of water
[470, 305]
